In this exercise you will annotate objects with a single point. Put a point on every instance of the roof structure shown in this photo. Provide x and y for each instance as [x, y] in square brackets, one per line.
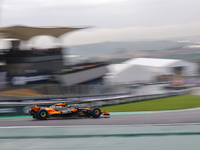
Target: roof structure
[146, 70]
[154, 62]
[27, 32]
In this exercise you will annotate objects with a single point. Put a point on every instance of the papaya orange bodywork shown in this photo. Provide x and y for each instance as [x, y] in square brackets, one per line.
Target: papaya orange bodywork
[74, 110]
[52, 111]
[105, 112]
[35, 108]
[60, 104]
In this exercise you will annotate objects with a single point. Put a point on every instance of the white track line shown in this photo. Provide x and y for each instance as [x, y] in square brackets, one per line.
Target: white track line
[80, 126]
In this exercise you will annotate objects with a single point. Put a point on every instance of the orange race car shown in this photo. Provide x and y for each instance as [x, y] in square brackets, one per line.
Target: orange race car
[63, 110]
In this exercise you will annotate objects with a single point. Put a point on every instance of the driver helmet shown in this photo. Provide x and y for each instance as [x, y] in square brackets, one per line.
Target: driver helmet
[76, 106]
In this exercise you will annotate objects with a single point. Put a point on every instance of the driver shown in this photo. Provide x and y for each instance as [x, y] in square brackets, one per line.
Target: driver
[76, 106]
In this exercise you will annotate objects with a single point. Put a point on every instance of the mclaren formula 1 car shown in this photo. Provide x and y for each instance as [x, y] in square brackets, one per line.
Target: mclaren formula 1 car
[63, 110]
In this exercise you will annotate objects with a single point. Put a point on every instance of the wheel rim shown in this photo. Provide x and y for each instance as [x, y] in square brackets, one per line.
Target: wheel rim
[43, 114]
[96, 112]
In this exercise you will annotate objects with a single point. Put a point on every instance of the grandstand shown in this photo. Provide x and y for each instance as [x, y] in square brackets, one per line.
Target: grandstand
[36, 66]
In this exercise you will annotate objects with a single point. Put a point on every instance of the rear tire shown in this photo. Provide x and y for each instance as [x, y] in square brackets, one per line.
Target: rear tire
[96, 112]
[42, 114]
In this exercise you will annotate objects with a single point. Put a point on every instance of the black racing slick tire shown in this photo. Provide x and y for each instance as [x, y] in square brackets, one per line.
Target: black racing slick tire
[42, 114]
[96, 112]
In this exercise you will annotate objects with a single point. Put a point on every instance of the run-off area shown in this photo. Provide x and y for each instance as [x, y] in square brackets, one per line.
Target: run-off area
[158, 137]
[106, 143]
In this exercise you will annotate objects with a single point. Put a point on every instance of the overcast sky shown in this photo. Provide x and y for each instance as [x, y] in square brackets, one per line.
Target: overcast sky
[113, 20]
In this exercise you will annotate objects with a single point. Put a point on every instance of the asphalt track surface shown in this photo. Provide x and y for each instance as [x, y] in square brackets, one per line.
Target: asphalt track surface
[158, 118]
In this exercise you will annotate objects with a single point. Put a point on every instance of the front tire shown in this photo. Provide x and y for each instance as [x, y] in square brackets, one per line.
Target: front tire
[96, 112]
[42, 114]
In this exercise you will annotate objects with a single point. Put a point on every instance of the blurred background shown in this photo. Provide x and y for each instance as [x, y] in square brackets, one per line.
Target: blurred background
[99, 53]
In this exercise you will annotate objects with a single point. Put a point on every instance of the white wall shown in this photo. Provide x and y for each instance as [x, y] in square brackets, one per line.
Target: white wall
[130, 73]
[133, 74]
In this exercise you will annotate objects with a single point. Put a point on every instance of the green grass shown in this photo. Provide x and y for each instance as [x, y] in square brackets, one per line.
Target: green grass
[170, 103]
